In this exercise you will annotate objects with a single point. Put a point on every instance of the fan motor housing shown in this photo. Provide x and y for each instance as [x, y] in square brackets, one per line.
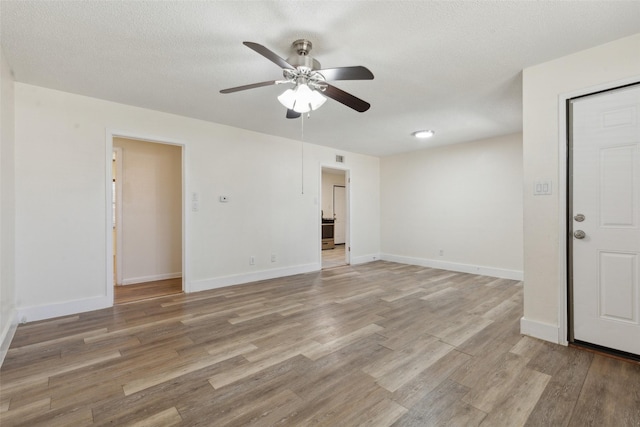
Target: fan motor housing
[304, 61]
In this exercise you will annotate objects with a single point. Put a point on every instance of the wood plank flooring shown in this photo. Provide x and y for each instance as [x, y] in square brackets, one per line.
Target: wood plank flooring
[378, 344]
[159, 288]
[333, 257]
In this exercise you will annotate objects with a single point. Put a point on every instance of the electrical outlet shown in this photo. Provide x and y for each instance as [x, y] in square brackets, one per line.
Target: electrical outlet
[273, 258]
[441, 252]
[252, 260]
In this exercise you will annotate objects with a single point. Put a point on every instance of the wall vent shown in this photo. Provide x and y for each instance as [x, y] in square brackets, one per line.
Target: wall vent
[339, 158]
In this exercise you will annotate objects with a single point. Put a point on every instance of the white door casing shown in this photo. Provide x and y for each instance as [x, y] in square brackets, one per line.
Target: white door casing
[118, 215]
[339, 213]
[606, 191]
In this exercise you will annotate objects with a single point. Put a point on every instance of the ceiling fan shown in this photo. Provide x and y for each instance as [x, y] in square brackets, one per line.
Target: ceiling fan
[310, 82]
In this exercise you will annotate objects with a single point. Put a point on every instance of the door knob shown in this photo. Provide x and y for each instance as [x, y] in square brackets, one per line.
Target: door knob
[579, 234]
[579, 217]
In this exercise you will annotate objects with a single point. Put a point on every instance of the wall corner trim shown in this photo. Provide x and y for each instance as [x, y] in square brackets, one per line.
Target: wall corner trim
[363, 259]
[153, 278]
[41, 312]
[500, 273]
[540, 330]
[244, 278]
[7, 335]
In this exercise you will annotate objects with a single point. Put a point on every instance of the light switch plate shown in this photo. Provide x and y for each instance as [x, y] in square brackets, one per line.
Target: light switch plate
[542, 188]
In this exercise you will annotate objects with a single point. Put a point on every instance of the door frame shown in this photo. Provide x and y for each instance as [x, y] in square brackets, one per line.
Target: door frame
[347, 220]
[113, 133]
[565, 315]
[118, 257]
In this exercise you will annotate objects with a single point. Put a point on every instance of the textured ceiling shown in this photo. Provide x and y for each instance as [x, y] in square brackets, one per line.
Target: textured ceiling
[451, 66]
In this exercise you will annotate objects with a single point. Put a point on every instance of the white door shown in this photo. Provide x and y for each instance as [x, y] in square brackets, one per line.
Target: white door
[339, 213]
[606, 243]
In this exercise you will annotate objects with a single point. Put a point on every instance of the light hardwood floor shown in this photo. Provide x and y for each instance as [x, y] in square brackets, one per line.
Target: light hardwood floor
[333, 257]
[158, 288]
[376, 344]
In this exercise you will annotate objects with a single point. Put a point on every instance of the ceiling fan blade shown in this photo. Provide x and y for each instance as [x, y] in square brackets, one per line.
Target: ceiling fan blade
[251, 86]
[347, 73]
[269, 55]
[293, 114]
[346, 98]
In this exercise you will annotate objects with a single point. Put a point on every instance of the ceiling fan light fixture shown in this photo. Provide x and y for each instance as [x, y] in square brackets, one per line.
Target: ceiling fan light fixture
[311, 88]
[423, 134]
[287, 98]
[302, 99]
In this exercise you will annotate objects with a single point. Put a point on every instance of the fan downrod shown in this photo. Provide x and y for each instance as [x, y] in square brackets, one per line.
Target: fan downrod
[302, 46]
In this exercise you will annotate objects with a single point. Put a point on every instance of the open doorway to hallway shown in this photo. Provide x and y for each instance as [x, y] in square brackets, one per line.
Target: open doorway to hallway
[335, 218]
[147, 219]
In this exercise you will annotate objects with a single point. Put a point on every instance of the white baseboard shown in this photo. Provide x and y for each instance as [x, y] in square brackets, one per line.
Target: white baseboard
[540, 330]
[153, 278]
[7, 334]
[238, 279]
[48, 311]
[364, 259]
[500, 273]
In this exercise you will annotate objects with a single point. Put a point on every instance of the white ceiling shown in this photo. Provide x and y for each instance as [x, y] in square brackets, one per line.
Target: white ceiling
[451, 66]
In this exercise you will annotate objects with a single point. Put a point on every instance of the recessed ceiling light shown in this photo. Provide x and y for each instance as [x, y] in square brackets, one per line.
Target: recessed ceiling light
[423, 134]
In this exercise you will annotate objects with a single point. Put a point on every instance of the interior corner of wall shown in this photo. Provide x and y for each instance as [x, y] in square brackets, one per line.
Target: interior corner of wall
[7, 334]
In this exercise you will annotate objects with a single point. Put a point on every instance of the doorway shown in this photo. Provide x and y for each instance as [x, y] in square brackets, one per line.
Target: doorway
[604, 220]
[334, 215]
[147, 219]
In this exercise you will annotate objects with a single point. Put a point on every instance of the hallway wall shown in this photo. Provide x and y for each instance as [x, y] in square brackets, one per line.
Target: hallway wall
[151, 222]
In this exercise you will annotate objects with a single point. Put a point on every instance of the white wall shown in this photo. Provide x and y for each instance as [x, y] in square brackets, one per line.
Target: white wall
[544, 87]
[151, 223]
[62, 204]
[7, 208]
[463, 199]
[329, 179]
